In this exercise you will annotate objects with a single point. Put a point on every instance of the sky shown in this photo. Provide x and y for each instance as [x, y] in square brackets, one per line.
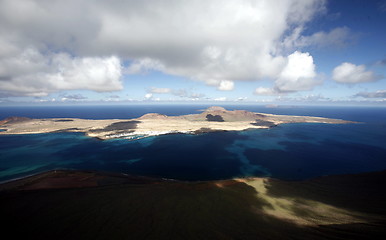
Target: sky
[193, 51]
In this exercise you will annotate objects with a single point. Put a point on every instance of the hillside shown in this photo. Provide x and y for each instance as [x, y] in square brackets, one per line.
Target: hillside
[90, 205]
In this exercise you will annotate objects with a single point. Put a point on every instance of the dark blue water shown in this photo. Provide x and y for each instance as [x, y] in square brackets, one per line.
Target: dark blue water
[289, 151]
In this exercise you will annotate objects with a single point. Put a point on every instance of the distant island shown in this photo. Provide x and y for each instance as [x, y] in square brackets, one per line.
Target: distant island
[153, 124]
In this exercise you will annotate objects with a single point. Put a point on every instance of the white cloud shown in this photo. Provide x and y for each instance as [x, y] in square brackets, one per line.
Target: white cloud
[225, 85]
[298, 74]
[351, 74]
[148, 96]
[265, 91]
[31, 73]
[232, 40]
[220, 99]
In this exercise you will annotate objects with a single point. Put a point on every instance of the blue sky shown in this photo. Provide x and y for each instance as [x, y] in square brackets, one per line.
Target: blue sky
[263, 52]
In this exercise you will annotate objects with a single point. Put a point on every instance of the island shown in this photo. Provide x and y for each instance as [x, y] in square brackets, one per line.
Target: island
[153, 124]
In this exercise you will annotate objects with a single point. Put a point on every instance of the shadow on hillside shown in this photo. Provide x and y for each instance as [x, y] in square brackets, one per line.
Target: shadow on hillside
[149, 209]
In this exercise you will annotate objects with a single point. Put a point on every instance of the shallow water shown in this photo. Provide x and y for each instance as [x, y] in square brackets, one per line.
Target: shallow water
[289, 151]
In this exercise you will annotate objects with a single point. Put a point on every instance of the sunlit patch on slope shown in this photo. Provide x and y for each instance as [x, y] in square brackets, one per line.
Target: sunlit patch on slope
[298, 210]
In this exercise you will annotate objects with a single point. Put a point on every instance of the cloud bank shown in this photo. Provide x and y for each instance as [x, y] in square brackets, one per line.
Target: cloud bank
[78, 44]
[31, 73]
[183, 93]
[377, 94]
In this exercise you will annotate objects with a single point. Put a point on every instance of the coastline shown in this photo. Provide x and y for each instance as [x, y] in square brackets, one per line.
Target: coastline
[154, 124]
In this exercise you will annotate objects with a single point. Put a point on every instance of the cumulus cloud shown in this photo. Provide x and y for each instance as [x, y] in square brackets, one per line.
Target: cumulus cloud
[265, 91]
[225, 85]
[298, 74]
[351, 74]
[148, 96]
[32, 73]
[228, 41]
[376, 94]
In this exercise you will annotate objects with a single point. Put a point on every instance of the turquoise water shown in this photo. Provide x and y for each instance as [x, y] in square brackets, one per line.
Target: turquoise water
[289, 151]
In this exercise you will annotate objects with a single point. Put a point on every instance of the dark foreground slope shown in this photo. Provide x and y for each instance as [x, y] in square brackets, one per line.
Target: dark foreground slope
[88, 205]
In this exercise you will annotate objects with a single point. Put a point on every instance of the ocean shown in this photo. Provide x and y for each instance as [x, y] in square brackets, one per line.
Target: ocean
[289, 151]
